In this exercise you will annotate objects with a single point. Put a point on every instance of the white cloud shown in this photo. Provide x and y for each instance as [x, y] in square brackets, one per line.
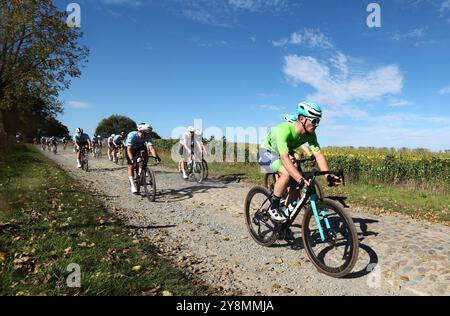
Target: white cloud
[445, 90]
[78, 105]
[417, 33]
[445, 5]
[271, 107]
[341, 85]
[214, 44]
[134, 3]
[255, 5]
[386, 135]
[311, 38]
[397, 103]
[223, 13]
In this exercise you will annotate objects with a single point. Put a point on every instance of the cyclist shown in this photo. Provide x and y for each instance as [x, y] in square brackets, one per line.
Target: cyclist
[135, 142]
[118, 142]
[281, 142]
[190, 142]
[294, 118]
[110, 146]
[43, 142]
[80, 140]
[94, 144]
[54, 142]
[100, 142]
[64, 141]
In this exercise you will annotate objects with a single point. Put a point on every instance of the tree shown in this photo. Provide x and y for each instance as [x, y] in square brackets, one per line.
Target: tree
[53, 127]
[119, 123]
[39, 54]
[114, 125]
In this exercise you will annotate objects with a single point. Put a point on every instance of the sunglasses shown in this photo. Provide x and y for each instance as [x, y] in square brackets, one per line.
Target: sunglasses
[314, 121]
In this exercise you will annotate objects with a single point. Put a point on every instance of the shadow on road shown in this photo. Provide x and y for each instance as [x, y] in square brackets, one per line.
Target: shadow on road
[149, 226]
[234, 177]
[177, 195]
[295, 242]
[340, 199]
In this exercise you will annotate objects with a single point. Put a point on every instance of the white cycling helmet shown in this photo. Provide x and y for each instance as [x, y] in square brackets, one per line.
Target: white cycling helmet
[79, 130]
[143, 127]
[113, 135]
[191, 129]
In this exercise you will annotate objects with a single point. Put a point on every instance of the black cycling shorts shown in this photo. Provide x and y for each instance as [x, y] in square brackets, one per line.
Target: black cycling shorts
[135, 152]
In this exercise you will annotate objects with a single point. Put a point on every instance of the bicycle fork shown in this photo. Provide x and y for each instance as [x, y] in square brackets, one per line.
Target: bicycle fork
[313, 199]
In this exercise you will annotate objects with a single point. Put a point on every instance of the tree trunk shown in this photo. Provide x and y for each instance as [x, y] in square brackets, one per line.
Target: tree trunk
[3, 136]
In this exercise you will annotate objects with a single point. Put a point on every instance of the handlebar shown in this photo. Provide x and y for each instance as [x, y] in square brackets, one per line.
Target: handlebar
[340, 174]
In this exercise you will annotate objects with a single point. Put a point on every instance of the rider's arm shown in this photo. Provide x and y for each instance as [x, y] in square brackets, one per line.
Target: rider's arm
[152, 150]
[306, 149]
[130, 152]
[289, 166]
[321, 161]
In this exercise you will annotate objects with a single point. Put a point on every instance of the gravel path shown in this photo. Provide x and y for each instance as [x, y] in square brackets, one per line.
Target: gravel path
[201, 229]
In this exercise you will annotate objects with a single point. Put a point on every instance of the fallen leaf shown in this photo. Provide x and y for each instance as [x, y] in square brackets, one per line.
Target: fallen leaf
[278, 260]
[404, 278]
[68, 251]
[136, 268]
[424, 259]
[295, 264]
[167, 293]
[2, 256]
[287, 290]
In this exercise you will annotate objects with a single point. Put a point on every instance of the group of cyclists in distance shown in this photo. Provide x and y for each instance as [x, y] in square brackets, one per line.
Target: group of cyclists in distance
[276, 154]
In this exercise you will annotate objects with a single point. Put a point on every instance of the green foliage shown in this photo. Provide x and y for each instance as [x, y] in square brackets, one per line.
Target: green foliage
[422, 168]
[39, 55]
[115, 124]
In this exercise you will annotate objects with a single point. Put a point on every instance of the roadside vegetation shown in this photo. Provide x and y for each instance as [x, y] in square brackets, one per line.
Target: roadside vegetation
[411, 182]
[48, 221]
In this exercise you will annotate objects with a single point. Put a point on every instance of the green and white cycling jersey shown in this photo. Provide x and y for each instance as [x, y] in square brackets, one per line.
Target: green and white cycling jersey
[283, 139]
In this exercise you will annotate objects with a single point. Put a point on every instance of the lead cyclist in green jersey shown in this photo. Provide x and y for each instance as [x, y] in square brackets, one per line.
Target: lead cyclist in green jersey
[284, 140]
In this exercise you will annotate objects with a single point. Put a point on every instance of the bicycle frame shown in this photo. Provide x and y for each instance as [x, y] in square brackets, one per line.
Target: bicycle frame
[310, 195]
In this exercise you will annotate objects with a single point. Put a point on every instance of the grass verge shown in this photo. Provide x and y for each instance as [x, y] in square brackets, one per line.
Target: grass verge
[48, 221]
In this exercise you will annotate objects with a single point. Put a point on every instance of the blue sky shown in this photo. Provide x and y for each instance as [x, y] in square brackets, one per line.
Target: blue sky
[247, 63]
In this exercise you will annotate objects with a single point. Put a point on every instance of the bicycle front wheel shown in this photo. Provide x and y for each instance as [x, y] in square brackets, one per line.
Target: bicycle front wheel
[149, 184]
[205, 168]
[333, 249]
[257, 218]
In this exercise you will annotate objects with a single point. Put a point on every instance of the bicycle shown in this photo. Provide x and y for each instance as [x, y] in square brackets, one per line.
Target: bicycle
[97, 152]
[270, 179]
[121, 155]
[84, 159]
[331, 230]
[144, 176]
[193, 168]
[205, 168]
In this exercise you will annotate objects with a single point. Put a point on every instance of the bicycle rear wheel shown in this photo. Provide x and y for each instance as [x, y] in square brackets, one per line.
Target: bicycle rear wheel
[269, 181]
[149, 184]
[337, 254]
[257, 218]
[199, 172]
